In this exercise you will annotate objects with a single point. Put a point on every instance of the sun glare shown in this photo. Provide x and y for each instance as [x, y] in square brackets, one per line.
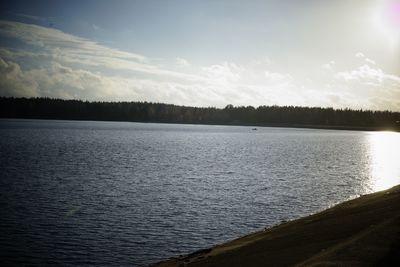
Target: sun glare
[386, 20]
[384, 159]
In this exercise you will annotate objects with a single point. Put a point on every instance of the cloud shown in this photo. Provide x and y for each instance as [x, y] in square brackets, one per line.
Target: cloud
[359, 55]
[366, 59]
[263, 61]
[71, 49]
[182, 62]
[277, 77]
[365, 73]
[53, 40]
[329, 66]
[65, 66]
[370, 61]
[60, 81]
[13, 82]
[49, 62]
[224, 73]
[371, 87]
[31, 17]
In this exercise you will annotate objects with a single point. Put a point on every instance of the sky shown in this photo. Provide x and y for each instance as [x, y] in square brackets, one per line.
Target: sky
[341, 54]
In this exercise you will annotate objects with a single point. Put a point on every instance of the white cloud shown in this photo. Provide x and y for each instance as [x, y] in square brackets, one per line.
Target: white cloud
[366, 59]
[182, 62]
[59, 81]
[71, 49]
[370, 87]
[359, 55]
[370, 61]
[366, 73]
[224, 73]
[267, 60]
[53, 40]
[329, 66]
[56, 64]
[277, 77]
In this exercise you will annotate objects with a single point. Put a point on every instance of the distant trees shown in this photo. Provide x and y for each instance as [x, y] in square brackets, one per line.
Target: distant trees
[46, 108]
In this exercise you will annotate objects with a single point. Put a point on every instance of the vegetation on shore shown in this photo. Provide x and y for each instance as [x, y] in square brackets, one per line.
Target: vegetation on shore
[360, 232]
[285, 116]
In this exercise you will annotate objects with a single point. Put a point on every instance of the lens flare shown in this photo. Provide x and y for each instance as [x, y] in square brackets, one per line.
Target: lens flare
[393, 14]
[386, 20]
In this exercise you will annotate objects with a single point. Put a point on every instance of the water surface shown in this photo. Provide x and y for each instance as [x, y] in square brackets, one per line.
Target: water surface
[119, 193]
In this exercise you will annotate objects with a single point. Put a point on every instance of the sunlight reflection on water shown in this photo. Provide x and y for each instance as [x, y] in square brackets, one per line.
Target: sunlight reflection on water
[384, 160]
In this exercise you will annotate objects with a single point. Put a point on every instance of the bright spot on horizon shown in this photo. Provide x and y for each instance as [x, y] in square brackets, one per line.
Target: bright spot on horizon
[384, 160]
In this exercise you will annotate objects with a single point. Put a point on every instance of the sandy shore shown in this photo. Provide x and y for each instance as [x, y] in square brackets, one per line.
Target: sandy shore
[360, 232]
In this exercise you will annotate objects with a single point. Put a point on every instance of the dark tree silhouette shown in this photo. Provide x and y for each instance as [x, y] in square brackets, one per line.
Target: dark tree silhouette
[286, 116]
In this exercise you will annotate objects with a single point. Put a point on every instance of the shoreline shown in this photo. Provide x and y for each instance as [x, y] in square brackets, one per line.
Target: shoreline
[268, 125]
[361, 232]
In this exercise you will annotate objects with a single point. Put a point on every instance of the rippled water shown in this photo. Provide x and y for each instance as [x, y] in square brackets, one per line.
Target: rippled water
[115, 193]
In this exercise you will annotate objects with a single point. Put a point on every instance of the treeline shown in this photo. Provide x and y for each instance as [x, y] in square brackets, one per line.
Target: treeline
[47, 108]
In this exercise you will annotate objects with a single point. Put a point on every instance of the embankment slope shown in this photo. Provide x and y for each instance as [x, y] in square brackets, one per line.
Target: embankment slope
[360, 232]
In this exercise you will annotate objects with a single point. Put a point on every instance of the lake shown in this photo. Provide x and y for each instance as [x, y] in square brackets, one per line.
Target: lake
[130, 194]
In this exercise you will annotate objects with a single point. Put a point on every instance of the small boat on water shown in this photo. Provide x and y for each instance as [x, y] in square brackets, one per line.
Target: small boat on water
[254, 129]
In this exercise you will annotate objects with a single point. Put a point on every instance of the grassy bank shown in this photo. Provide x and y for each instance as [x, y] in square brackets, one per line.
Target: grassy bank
[360, 232]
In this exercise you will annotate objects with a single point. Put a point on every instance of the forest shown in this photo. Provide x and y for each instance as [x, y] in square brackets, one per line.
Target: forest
[285, 116]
